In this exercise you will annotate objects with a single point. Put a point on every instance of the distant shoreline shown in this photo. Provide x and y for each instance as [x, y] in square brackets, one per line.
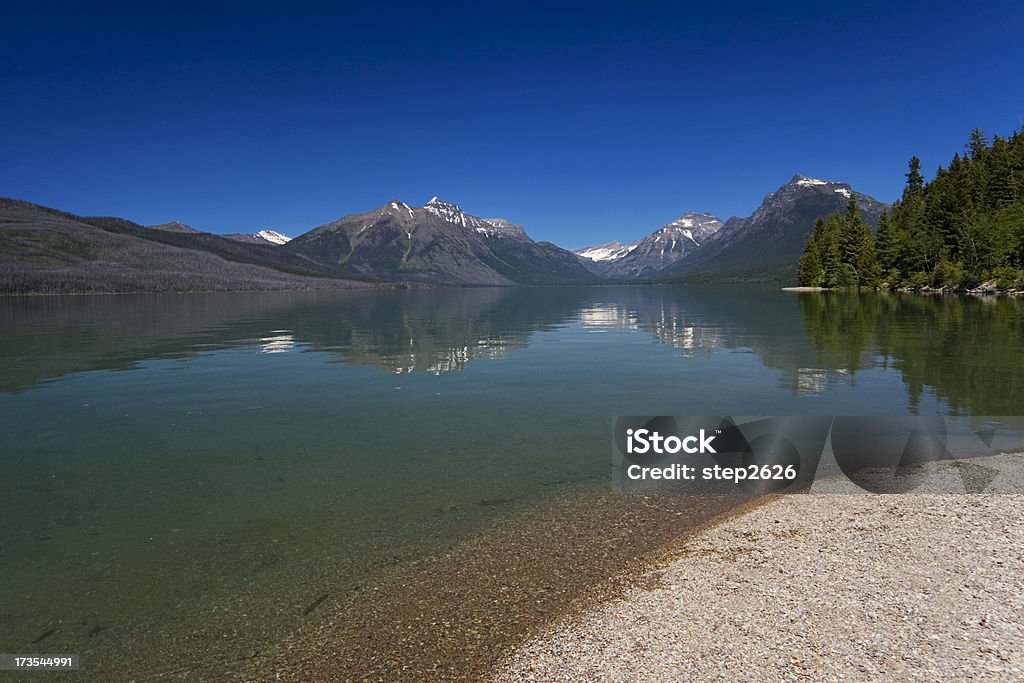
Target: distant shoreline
[346, 286]
[976, 291]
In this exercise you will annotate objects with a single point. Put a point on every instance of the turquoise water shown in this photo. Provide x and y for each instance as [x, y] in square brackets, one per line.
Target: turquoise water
[164, 456]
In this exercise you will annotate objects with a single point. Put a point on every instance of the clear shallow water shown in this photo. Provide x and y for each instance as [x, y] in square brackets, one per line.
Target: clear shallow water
[161, 456]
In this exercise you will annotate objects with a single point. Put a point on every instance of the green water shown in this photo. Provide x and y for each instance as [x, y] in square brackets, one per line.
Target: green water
[166, 457]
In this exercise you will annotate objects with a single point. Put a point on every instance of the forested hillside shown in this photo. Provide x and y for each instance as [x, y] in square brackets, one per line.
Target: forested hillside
[963, 228]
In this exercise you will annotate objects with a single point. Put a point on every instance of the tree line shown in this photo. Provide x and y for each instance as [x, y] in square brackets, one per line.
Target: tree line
[963, 228]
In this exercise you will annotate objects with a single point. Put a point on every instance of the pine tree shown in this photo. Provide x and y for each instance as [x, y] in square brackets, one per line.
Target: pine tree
[869, 274]
[849, 233]
[811, 271]
[884, 245]
[948, 204]
[1002, 188]
[917, 252]
[977, 144]
[915, 181]
[830, 259]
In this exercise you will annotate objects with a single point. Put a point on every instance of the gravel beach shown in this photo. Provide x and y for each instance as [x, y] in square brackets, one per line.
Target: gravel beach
[829, 587]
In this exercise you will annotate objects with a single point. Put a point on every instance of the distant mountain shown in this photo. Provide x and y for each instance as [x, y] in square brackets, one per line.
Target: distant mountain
[44, 250]
[437, 242]
[667, 245]
[261, 237]
[768, 244]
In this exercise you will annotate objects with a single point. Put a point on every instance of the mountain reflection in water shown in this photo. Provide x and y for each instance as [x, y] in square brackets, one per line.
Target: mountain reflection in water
[966, 350]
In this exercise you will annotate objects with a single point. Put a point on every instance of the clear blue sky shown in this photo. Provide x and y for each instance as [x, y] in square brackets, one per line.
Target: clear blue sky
[584, 123]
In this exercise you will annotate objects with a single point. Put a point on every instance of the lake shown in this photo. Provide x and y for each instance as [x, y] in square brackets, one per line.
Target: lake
[196, 477]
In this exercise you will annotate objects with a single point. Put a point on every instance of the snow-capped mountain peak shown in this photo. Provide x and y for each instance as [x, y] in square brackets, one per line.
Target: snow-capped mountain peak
[690, 222]
[666, 245]
[440, 207]
[450, 212]
[802, 181]
[453, 213]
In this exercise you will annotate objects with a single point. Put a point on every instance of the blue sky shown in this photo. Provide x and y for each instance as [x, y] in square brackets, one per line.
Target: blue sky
[584, 122]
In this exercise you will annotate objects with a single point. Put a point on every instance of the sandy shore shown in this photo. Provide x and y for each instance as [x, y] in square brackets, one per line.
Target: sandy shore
[813, 588]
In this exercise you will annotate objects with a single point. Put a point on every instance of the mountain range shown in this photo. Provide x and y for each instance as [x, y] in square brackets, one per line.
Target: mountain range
[46, 250]
[763, 246]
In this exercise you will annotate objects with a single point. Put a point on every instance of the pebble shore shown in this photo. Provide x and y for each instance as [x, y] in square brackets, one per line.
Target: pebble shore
[826, 587]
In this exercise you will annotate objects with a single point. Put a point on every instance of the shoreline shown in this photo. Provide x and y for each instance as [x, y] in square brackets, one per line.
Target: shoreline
[450, 614]
[457, 616]
[819, 586]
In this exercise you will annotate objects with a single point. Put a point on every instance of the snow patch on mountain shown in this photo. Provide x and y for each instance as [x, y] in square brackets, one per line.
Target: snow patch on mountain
[606, 252]
[837, 187]
[499, 227]
[804, 180]
[261, 237]
[454, 214]
[273, 237]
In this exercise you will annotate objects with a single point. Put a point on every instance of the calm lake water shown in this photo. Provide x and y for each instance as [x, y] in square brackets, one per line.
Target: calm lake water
[163, 457]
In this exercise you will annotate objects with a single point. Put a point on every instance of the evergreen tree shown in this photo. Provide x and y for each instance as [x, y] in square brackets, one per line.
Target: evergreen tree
[835, 268]
[850, 233]
[830, 258]
[884, 245]
[1001, 189]
[812, 272]
[915, 181]
[868, 272]
[948, 204]
[977, 144]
